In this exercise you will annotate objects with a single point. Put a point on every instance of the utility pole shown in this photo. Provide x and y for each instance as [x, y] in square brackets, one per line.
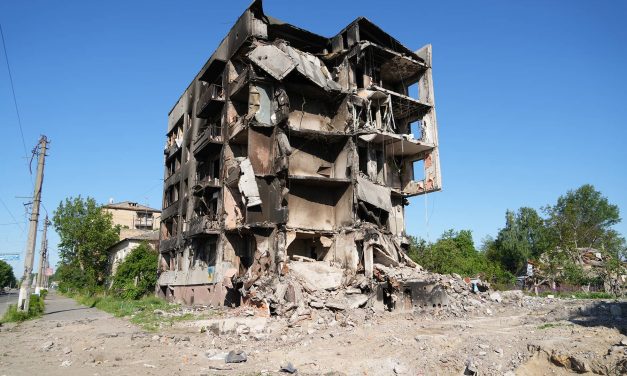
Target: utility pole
[43, 255]
[24, 297]
[47, 266]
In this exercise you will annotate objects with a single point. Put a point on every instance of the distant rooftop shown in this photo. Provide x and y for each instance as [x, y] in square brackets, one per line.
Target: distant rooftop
[129, 205]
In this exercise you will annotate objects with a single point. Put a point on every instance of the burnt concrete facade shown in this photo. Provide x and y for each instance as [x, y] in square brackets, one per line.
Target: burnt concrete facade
[292, 146]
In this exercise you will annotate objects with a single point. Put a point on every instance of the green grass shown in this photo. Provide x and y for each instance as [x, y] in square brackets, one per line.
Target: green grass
[550, 325]
[36, 307]
[140, 312]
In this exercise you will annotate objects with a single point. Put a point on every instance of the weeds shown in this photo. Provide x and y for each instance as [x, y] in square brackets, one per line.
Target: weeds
[36, 308]
[550, 325]
[151, 313]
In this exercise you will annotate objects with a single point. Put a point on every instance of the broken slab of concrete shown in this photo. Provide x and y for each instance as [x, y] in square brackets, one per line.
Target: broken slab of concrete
[318, 275]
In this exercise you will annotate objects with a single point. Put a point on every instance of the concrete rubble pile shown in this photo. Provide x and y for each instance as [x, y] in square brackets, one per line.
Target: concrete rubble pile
[310, 285]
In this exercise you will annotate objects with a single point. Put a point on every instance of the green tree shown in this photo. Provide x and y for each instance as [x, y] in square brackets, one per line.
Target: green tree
[454, 252]
[583, 218]
[85, 231]
[136, 276]
[7, 278]
[523, 237]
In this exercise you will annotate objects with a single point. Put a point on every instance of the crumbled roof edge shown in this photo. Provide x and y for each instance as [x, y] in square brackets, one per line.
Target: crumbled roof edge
[125, 205]
[148, 236]
[257, 6]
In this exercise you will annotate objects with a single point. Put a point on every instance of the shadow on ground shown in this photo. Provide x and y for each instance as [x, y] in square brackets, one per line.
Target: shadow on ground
[65, 310]
[610, 314]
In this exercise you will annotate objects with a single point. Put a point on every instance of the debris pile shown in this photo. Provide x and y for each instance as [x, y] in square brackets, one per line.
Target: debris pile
[308, 285]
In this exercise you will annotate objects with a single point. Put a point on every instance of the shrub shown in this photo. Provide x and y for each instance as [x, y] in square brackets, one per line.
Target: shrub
[455, 252]
[136, 276]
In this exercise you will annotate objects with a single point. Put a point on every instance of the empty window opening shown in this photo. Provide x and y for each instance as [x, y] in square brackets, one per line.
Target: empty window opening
[171, 195]
[415, 129]
[165, 263]
[419, 170]
[363, 159]
[413, 90]
[372, 214]
[205, 254]
[307, 245]
[380, 166]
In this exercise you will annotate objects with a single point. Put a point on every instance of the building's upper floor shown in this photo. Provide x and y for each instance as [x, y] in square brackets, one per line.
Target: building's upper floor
[133, 216]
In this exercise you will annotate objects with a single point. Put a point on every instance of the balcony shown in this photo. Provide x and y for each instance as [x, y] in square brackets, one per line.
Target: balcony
[170, 209]
[205, 184]
[404, 107]
[208, 141]
[145, 222]
[211, 99]
[204, 225]
[170, 151]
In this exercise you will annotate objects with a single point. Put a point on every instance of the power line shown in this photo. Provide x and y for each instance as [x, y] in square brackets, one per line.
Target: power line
[11, 214]
[17, 111]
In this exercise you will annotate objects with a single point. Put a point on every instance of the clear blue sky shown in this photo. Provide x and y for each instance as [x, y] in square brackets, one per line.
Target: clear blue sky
[530, 97]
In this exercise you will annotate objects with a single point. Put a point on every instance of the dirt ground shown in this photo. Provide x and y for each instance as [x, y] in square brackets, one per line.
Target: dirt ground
[533, 336]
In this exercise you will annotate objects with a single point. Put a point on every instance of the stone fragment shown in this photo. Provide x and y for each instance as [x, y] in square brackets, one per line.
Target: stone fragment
[66, 363]
[356, 301]
[47, 345]
[236, 356]
[318, 274]
[335, 305]
[496, 297]
[288, 367]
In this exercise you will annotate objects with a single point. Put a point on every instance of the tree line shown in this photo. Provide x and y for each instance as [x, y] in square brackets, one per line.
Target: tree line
[556, 242]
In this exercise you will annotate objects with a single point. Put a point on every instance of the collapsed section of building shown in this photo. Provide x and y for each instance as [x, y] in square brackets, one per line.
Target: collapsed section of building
[295, 154]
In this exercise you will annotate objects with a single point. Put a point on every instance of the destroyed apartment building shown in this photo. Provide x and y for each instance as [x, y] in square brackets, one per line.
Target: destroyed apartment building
[291, 156]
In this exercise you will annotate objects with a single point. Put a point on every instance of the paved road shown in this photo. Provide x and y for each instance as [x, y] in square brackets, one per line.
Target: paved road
[6, 300]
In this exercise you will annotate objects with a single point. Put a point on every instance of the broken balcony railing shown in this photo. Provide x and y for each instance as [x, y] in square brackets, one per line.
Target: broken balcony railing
[205, 224]
[205, 183]
[210, 99]
[209, 139]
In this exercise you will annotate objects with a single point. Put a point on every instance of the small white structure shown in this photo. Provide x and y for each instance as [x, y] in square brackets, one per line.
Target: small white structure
[118, 252]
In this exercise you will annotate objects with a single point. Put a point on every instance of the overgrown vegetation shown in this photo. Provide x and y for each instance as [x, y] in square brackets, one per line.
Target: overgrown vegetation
[550, 325]
[579, 220]
[36, 308]
[150, 312]
[7, 278]
[85, 231]
[455, 252]
[136, 276]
